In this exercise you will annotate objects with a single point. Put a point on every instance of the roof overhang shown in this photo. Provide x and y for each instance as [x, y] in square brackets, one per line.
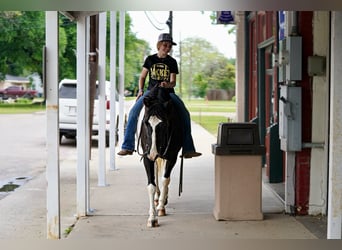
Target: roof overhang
[74, 15]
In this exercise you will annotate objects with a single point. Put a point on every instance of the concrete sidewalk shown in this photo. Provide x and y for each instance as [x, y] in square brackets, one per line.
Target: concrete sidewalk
[121, 208]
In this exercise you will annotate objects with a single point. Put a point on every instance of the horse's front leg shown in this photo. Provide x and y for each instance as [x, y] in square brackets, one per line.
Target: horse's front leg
[163, 196]
[151, 189]
[152, 219]
[157, 173]
[167, 166]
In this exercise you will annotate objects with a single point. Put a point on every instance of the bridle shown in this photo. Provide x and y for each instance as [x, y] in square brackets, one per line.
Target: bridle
[144, 154]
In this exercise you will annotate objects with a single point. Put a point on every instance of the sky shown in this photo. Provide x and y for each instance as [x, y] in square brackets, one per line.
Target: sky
[185, 24]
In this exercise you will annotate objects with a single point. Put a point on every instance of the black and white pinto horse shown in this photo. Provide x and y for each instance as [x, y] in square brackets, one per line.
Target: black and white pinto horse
[161, 140]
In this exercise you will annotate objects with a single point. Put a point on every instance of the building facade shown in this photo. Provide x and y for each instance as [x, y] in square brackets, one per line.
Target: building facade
[286, 63]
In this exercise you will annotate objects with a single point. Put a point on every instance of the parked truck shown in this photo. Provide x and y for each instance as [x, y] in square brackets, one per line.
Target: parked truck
[17, 91]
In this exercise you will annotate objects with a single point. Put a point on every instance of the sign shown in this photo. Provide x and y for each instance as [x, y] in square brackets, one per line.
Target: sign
[281, 17]
[225, 17]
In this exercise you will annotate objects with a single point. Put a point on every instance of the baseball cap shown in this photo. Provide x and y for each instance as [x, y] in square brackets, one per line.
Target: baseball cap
[166, 37]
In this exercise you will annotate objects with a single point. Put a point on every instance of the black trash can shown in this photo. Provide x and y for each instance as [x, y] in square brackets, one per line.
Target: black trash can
[238, 172]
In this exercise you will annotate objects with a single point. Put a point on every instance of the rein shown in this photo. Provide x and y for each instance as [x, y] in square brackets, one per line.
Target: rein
[139, 139]
[180, 187]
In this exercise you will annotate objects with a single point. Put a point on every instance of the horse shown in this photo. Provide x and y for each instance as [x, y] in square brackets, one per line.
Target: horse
[161, 141]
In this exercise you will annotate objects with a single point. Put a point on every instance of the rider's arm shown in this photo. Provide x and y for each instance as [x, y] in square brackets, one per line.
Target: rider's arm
[171, 83]
[142, 78]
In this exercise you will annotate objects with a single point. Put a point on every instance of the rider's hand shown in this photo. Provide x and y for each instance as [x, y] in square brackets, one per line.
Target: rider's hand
[140, 94]
[164, 84]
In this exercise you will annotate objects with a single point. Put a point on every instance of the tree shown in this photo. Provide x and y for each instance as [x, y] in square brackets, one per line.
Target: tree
[204, 67]
[23, 37]
[21, 42]
[135, 52]
[67, 48]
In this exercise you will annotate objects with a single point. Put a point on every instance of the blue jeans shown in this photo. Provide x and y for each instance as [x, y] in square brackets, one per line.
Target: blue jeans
[188, 143]
[131, 128]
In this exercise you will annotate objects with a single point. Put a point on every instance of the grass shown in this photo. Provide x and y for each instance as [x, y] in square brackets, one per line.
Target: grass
[210, 123]
[210, 106]
[200, 111]
[206, 113]
[22, 107]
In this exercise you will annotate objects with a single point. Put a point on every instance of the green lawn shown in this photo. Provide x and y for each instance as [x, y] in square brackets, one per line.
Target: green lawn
[207, 121]
[210, 123]
[210, 106]
[23, 107]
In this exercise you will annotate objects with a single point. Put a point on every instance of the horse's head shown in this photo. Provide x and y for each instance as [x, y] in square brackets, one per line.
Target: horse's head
[158, 108]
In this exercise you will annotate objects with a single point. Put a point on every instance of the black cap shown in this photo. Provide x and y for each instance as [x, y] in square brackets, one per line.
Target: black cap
[166, 37]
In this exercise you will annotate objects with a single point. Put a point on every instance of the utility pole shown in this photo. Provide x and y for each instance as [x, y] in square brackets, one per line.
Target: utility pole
[169, 23]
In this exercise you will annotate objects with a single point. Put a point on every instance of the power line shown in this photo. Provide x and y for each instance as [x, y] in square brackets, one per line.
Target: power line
[161, 23]
[149, 19]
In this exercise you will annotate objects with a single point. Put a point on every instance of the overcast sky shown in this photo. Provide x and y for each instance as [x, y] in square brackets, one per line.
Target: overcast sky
[185, 24]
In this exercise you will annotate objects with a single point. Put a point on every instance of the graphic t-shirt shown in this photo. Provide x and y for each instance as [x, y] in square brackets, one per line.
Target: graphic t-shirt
[160, 69]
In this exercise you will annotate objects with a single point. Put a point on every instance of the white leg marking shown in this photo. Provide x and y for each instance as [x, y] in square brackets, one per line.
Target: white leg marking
[152, 219]
[156, 179]
[164, 190]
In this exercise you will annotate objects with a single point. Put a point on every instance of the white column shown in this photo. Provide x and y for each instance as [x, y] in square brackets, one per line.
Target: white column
[52, 131]
[240, 66]
[102, 99]
[320, 119]
[290, 177]
[121, 74]
[335, 137]
[290, 157]
[112, 88]
[82, 124]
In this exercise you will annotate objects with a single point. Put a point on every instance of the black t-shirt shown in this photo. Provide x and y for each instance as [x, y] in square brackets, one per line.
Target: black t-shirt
[160, 69]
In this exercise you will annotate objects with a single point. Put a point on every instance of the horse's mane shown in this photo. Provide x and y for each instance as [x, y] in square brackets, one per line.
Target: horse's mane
[158, 102]
[157, 93]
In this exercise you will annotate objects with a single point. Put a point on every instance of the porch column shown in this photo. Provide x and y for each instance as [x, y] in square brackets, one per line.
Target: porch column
[52, 132]
[335, 156]
[102, 99]
[240, 65]
[83, 141]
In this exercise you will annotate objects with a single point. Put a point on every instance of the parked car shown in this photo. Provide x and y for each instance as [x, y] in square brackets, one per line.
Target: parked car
[17, 91]
[68, 111]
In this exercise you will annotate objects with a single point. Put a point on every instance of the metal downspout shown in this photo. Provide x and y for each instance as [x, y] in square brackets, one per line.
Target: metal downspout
[246, 44]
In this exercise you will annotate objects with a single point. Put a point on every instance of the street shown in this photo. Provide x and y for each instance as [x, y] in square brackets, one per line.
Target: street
[23, 165]
[22, 148]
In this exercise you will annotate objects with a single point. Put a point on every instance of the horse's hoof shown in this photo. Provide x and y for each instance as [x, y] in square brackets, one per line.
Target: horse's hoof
[161, 212]
[152, 223]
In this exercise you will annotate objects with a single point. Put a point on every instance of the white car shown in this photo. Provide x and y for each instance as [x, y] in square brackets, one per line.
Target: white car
[68, 110]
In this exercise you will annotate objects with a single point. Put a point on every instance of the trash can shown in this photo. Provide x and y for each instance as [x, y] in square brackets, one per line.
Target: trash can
[238, 174]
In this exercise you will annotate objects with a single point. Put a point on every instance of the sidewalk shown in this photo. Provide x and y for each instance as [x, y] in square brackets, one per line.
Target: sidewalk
[120, 209]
